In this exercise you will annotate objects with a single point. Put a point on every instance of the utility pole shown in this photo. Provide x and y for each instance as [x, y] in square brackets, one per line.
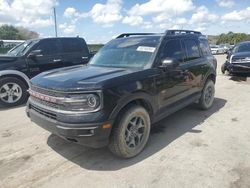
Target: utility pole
[55, 21]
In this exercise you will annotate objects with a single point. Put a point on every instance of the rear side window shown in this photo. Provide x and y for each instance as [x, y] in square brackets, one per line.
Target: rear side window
[173, 50]
[74, 45]
[192, 50]
[205, 47]
[49, 47]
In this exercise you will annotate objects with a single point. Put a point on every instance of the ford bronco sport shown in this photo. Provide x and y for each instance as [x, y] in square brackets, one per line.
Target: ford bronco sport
[33, 57]
[131, 83]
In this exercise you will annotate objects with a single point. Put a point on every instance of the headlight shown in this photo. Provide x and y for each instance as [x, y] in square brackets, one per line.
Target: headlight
[93, 100]
[89, 102]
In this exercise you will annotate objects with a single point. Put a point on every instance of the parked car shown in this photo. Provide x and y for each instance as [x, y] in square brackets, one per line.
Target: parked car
[33, 57]
[225, 47]
[238, 59]
[131, 83]
[215, 49]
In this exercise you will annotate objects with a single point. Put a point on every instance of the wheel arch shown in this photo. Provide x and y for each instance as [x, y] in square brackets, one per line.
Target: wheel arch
[15, 74]
[141, 99]
[212, 77]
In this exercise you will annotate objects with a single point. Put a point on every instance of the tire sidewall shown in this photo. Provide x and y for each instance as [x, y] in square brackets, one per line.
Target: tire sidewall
[127, 152]
[23, 87]
[203, 103]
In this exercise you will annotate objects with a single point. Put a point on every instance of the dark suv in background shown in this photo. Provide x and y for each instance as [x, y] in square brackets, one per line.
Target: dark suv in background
[238, 59]
[33, 57]
[131, 83]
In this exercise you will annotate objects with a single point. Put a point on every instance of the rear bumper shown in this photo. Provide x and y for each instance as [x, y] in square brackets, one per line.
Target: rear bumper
[88, 134]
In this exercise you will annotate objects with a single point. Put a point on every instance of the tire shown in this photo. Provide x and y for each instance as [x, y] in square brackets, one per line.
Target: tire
[130, 135]
[13, 92]
[223, 69]
[207, 97]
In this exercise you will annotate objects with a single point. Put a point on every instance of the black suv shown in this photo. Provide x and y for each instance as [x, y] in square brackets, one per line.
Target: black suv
[238, 59]
[131, 83]
[33, 57]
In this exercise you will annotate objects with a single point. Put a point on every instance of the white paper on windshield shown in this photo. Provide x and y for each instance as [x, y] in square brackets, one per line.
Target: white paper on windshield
[146, 49]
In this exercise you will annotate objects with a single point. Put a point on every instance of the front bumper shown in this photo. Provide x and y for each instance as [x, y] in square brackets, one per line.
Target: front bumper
[90, 134]
[236, 67]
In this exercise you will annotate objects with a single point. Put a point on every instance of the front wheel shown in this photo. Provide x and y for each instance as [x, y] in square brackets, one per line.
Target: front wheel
[207, 97]
[13, 92]
[223, 69]
[130, 134]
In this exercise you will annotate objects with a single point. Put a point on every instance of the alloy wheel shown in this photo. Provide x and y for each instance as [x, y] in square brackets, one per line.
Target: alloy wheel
[134, 132]
[10, 92]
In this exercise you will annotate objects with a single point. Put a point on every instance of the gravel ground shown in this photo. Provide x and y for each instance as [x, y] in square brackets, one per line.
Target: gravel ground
[190, 148]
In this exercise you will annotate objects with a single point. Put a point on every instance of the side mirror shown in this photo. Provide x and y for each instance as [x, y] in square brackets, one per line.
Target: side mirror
[35, 53]
[169, 63]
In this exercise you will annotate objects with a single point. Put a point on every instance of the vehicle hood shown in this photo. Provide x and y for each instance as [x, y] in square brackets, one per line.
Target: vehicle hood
[7, 58]
[241, 54]
[84, 77]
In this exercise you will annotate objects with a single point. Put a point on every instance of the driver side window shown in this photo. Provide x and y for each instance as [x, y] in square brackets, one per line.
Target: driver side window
[48, 47]
[173, 50]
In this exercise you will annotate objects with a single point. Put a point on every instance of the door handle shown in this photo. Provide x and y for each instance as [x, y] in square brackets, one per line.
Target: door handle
[57, 60]
[84, 57]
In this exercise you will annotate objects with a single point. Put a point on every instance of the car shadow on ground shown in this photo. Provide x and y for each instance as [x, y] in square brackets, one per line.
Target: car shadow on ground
[162, 135]
[11, 108]
[240, 77]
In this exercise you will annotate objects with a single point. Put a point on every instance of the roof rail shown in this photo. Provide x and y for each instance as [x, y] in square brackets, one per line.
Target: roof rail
[124, 35]
[173, 32]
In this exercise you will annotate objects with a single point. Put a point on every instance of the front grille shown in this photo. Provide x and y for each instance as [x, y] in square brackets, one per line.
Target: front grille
[247, 65]
[43, 112]
[47, 92]
[240, 60]
[45, 103]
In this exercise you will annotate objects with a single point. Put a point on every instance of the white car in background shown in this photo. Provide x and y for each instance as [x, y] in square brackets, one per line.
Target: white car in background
[215, 49]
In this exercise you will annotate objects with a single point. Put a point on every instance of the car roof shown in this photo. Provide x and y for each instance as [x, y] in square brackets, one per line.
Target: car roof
[159, 35]
[50, 38]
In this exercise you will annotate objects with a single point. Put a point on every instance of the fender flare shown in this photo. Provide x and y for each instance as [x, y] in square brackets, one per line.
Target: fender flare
[17, 73]
[210, 73]
[135, 96]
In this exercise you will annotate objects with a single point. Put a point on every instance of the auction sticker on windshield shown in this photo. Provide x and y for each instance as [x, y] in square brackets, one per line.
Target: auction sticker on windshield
[146, 49]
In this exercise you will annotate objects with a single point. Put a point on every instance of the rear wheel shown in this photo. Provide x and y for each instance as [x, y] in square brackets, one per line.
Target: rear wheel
[130, 134]
[207, 97]
[13, 92]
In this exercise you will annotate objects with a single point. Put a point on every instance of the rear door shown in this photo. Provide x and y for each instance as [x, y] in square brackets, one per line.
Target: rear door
[194, 65]
[49, 58]
[74, 51]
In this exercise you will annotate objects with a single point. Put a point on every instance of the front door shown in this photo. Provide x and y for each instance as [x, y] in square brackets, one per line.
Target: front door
[171, 81]
[49, 57]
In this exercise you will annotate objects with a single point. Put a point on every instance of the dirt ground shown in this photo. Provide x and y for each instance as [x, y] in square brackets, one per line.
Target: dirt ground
[190, 148]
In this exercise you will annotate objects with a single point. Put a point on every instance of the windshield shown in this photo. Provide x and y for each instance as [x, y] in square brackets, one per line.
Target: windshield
[21, 48]
[134, 52]
[242, 48]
